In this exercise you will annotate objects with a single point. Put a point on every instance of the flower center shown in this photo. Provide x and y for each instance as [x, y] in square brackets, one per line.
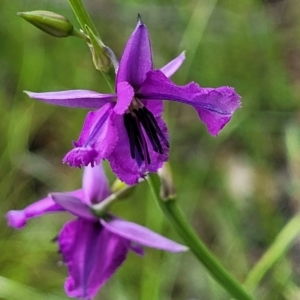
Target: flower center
[139, 116]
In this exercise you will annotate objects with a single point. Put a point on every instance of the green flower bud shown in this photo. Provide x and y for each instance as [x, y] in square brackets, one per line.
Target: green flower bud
[122, 190]
[102, 55]
[167, 189]
[49, 22]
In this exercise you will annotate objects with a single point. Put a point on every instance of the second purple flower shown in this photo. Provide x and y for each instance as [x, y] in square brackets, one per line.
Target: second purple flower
[127, 128]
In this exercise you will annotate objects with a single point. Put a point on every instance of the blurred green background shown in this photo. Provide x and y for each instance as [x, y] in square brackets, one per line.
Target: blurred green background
[238, 190]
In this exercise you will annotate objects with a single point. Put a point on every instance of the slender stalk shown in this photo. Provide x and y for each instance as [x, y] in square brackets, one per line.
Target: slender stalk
[84, 19]
[276, 251]
[82, 16]
[101, 209]
[202, 253]
[80, 34]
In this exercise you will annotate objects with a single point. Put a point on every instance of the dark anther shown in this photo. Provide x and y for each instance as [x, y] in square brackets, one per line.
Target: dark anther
[130, 133]
[137, 142]
[151, 118]
[152, 129]
[136, 139]
[151, 133]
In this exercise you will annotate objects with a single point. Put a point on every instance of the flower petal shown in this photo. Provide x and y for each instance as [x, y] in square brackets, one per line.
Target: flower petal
[125, 94]
[74, 205]
[97, 139]
[141, 235]
[92, 125]
[81, 156]
[138, 249]
[213, 120]
[92, 255]
[136, 60]
[170, 68]
[127, 168]
[214, 106]
[155, 106]
[94, 185]
[18, 218]
[74, 98]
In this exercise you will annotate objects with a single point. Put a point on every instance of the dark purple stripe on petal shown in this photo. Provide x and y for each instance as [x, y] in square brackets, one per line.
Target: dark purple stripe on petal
[214, 106]
[92, 255]
[96, 128]
[97, 139]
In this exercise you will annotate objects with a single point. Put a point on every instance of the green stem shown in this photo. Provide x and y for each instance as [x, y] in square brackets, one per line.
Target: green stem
[276, 251]
[102, 208]
[82, 16]
[187, 233]
[80, 35]
[84, 19]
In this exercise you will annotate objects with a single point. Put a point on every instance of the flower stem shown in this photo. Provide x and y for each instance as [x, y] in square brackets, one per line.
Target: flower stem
[84, 19]
[101, 209]
[202, 253]
[82, 16]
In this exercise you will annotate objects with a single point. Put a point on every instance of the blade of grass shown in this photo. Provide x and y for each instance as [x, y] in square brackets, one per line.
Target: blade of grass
[277, 250]
[12, 290]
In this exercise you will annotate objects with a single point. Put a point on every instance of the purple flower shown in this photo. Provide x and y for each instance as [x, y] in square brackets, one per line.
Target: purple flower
[92, 248]
[128, 129]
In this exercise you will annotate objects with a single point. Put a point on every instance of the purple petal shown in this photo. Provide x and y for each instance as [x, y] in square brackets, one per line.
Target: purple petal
[156, 107]
[136, 60]
[139, 250]
[170, 68]
[74, 205]
[141, 235]
[95, 185]
[218, 107]
[18, 218]
[125, 95]
[81, 156]
[74, 98]
[214, 106]
[93, 124]
[92, 255]
[127, 168]
[97, 139]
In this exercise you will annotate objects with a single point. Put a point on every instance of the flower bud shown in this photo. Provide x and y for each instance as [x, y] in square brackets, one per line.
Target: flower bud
[167, 189]
[122, 190]
[103, 57]
[49, 22]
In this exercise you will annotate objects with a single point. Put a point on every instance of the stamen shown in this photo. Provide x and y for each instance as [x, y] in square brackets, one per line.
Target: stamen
[133, 120]
[157, 129]
[138, 145]
[150, 130]
[143, 142]
[138, 140]
[130, 133]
